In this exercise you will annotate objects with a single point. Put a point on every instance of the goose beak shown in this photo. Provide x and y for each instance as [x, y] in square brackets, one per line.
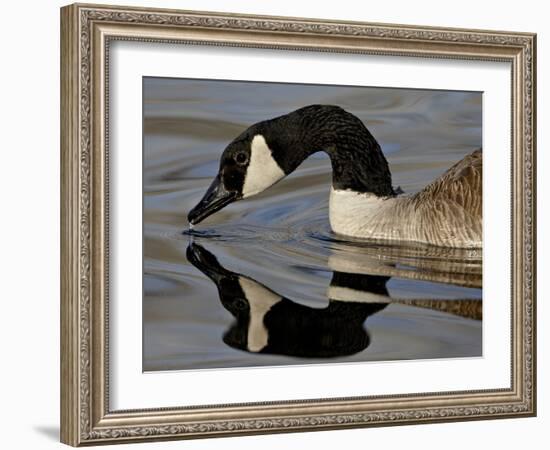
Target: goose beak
[215, 198]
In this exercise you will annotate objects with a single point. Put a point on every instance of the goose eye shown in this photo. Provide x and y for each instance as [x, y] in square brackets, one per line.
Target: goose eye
[240, 303]
[241, 158]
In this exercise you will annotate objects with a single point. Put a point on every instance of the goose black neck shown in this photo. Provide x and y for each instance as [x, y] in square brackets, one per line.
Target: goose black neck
[357, 161]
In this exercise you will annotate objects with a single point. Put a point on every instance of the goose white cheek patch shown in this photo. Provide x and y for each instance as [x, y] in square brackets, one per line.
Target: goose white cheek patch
[262, 171]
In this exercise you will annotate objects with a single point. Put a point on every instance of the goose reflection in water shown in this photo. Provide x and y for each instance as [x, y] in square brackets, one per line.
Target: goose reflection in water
[269, 323]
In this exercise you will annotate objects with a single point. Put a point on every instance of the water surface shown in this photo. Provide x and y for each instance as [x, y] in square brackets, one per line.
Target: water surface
[413, 302]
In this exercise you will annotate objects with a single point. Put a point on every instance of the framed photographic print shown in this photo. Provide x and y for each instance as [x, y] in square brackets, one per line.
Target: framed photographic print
[276, 224]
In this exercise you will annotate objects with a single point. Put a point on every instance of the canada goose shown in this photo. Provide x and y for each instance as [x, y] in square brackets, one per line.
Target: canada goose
[363, 202]
[267, 322]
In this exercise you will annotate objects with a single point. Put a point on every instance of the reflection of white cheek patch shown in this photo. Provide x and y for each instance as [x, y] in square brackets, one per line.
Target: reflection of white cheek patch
[262, 171]
[261, 300]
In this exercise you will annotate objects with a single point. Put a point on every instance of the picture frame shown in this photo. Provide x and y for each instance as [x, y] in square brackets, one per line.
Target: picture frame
[87, 33]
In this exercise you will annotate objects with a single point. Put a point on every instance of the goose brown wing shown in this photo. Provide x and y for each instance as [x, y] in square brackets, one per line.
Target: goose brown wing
[460, 185]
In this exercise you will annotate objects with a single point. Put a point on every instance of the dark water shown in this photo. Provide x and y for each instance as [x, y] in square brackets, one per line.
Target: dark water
[404, 302]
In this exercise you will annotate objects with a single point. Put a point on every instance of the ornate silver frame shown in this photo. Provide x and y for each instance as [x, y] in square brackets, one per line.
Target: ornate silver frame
[86, 32]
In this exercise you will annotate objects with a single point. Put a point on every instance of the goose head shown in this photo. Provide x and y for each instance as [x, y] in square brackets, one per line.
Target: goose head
[270, 150]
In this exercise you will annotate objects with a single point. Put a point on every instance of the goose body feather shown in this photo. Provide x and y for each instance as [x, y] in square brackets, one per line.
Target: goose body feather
[447, 212]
